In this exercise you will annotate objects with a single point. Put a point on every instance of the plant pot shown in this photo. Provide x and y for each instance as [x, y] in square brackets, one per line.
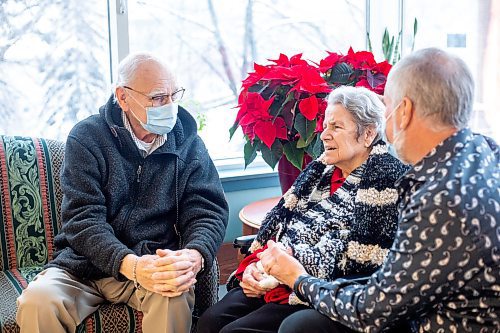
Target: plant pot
[287, 172]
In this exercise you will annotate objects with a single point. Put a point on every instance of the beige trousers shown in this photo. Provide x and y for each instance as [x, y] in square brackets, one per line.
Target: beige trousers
[56, 301]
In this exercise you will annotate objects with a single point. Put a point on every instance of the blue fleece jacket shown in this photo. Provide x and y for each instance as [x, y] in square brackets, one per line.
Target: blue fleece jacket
[116, 202]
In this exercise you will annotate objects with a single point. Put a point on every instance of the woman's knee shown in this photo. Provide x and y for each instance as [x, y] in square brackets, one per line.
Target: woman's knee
[208, 322]
[230, 308]
[293, 323]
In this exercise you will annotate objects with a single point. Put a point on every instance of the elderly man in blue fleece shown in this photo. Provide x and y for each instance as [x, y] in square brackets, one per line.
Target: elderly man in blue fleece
[442, 273]
[143, 211]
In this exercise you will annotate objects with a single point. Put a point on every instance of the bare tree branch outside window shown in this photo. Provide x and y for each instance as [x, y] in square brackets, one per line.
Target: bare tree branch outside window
[53, 60]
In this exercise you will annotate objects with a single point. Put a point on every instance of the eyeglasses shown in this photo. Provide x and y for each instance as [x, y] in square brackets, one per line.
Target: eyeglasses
[161, 99]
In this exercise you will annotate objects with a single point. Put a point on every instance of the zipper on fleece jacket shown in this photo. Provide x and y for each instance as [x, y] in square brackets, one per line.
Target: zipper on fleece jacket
[136, 186]
[139, 171]
[177, 201]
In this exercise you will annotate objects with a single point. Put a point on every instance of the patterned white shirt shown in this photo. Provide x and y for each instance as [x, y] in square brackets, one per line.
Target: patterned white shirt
[442, 273]
[144, 147]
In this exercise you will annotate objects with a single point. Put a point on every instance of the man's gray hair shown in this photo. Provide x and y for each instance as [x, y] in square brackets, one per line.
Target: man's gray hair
[439, 84]
[365, 107]
[127, 68]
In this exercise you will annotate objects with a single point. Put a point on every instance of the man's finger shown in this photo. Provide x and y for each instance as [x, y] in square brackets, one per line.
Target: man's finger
[163, 252]
[171, 287]
[170, 260]
[176, 266]
[187, 285]
[175, 283]
[161, 276]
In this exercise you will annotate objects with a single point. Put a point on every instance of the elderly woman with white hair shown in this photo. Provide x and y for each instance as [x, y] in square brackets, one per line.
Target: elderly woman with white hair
[338, 219]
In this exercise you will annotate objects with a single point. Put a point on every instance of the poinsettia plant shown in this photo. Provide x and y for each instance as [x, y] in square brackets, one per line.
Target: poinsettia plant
[282, 104]
[355, 69]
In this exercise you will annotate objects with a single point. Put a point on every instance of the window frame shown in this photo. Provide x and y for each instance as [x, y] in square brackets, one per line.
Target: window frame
[377, 18]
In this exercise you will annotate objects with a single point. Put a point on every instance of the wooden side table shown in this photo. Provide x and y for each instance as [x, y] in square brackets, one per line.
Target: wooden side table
[253, 214]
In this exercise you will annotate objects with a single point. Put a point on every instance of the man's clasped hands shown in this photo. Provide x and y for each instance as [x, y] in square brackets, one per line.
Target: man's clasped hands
[169, 273]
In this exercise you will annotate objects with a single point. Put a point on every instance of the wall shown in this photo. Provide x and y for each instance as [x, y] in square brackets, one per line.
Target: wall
[241, 191]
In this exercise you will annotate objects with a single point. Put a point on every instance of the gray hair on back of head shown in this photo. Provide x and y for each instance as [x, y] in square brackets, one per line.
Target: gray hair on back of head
[365, 107]
[439, 84]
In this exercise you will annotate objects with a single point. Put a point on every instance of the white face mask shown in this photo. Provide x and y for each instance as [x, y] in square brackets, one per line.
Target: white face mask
[160, 119]
[395, 135]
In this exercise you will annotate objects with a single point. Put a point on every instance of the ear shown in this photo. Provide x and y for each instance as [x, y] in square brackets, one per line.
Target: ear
[370, 135]
[121, 97]
[407, 113]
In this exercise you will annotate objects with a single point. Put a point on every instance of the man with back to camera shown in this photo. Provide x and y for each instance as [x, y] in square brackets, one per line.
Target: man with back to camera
[442, 272]
[143, 211]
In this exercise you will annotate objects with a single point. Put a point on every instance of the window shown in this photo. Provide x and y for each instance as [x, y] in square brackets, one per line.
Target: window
[469, 29]
[54, 65]
[211, 46]
[55, 56]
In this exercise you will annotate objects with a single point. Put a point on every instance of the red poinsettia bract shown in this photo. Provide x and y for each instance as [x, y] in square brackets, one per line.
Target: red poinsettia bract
[282, 105]
[255, 119]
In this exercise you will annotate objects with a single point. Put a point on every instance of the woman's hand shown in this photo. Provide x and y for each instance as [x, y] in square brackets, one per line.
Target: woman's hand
[279, 263]
[250, 281]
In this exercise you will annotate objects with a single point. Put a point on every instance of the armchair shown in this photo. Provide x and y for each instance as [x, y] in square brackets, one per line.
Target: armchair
[30, 216]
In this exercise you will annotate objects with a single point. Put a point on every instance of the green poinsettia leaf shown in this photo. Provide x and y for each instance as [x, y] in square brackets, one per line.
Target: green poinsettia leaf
[285, 106]
[287, 113]
[273, 155]
[233, 129]
[274, 109]
[305, 128]
[301, 143]
[309, 148]
[294, 154]
[318, 147]
[341, 73]
[258, 88]
[250, 152]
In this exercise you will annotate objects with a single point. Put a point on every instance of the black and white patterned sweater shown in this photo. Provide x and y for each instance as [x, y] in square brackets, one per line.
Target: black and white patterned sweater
[347, 233]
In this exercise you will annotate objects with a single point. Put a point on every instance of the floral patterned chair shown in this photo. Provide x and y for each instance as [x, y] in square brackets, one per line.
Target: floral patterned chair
[30, 215]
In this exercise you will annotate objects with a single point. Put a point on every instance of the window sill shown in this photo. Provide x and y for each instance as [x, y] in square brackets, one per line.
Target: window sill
[235, 177]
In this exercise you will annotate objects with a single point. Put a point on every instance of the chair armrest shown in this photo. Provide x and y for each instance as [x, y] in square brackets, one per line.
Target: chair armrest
[243, 241]
[232, 282]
